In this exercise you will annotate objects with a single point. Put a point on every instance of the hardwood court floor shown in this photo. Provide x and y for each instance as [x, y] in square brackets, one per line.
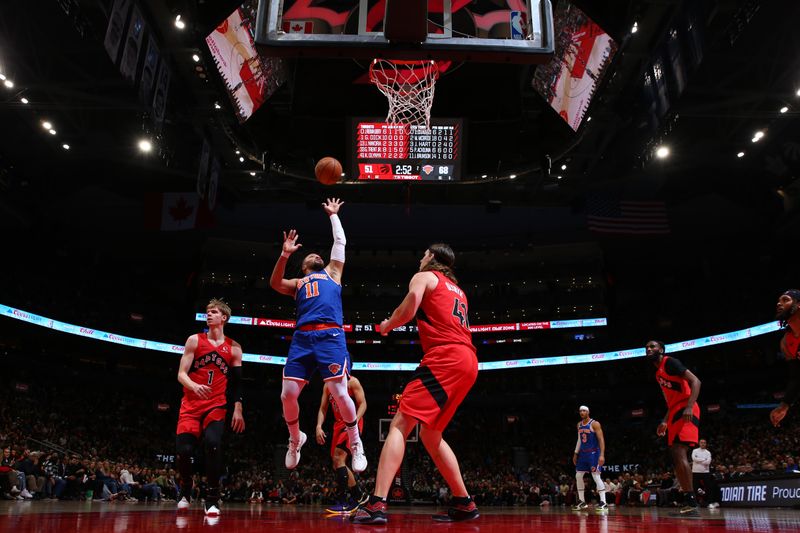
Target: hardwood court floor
[105, 517]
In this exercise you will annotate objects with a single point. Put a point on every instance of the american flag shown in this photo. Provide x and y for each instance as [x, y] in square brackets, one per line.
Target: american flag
[609, 214]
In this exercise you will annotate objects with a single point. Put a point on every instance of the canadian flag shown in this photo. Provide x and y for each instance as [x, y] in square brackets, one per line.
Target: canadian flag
[298, 26]
[176, 211]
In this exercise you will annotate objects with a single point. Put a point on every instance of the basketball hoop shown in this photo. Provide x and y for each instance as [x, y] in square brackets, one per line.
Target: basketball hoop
[409, 87]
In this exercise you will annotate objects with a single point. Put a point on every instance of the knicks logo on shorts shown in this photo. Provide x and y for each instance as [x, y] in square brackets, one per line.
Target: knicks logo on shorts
[334, 368]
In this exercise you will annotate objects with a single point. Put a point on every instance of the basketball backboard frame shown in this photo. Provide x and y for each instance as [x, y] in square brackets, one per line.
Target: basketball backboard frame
[538, 46]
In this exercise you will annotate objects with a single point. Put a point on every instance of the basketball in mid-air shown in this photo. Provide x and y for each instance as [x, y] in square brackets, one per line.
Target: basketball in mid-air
[328, 170]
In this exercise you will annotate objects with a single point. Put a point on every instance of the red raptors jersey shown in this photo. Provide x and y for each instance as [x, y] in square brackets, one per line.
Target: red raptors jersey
[676, 388]
[790, 345]
[210, 367]
[442, 316]
[337, 415]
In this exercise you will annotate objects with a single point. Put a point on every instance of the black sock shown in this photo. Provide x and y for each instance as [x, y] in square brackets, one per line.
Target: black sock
[688, 498]
[356, 492]
[464, 500]
[376, 499]
[341, 482]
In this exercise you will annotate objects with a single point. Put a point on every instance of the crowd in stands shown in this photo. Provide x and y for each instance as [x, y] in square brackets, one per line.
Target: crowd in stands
[69, 435]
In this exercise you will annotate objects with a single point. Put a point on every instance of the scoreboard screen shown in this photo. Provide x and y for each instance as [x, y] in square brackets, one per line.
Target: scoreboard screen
[385, 151]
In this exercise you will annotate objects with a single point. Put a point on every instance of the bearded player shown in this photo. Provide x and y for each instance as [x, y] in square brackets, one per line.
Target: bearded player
[786, 312]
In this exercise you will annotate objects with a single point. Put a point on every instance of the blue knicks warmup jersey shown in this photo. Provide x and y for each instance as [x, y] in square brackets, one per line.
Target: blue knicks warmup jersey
[319, 300]
[589, 442]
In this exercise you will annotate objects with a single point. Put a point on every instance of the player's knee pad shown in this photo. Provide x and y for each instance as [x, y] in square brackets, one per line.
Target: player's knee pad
[579, 480]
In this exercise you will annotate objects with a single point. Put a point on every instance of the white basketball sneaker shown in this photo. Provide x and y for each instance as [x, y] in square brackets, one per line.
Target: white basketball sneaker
[183, 504]
[358, 460]
[293, 453]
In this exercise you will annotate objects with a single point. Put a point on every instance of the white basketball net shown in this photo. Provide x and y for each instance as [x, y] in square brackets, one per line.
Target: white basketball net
[409, 86]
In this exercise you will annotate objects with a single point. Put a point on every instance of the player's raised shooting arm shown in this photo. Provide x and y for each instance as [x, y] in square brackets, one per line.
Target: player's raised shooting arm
[336, 266]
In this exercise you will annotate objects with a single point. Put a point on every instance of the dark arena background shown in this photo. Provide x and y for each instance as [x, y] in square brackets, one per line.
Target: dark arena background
[607, 173]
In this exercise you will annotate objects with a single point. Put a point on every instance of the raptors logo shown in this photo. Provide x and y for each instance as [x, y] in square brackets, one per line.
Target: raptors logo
[334, 368]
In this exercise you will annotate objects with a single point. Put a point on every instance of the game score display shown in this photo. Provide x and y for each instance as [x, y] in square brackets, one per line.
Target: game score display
[404, 152]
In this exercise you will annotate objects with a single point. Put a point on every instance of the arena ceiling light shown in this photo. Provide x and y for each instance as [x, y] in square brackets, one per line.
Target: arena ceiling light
[662, 152]
[784, 109]
[180, 24]
[145, 145]
[47, 125]
[65, 146]
[740, 155]
[564, 167]
[9, 84]
[635, 27]
[195, 58]
[52, 131]
[757, 136]
[24, 100]
[798, 92]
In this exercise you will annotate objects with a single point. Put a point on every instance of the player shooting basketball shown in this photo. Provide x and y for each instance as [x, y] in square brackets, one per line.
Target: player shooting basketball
[318, 343]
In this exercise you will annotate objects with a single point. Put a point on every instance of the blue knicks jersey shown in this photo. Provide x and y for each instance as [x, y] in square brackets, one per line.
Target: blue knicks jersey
[319, 300]
[588, 437]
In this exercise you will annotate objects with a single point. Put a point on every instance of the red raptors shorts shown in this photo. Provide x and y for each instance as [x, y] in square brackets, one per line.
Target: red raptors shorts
[339, 436]
[678, 430]
[439, 385]
[195, 416]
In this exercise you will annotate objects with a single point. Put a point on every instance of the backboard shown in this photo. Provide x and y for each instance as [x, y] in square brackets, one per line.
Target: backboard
[495, 31]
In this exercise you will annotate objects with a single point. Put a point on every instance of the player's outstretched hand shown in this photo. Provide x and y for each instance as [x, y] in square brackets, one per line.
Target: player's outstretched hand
[237, 421]
[332, 205]
[777, 414]
[384, 329]
[290, 245]
[662, 429]
[321, 436]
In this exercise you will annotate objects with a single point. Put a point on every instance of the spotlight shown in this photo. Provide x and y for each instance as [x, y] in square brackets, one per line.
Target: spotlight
[740, 155]
[757, 136]
[483, 175]
[65, 146]
[23, 100]
[9, 84]
[252, 173]
[798, 92]
[662, 152]
[52, 131]
[563, 167]
[46, 125]
[784, 109]
[559, 177]
[241, 159]
[588, 119]
[635, 27]
[196, 58]
[179, 23]
[512, 176]
[217, 106]
[145, 145]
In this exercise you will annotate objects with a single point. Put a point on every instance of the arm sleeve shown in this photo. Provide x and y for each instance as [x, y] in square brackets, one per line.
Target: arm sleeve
[234, 388]
[673, 367]
[792, 393]
[339, 240]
